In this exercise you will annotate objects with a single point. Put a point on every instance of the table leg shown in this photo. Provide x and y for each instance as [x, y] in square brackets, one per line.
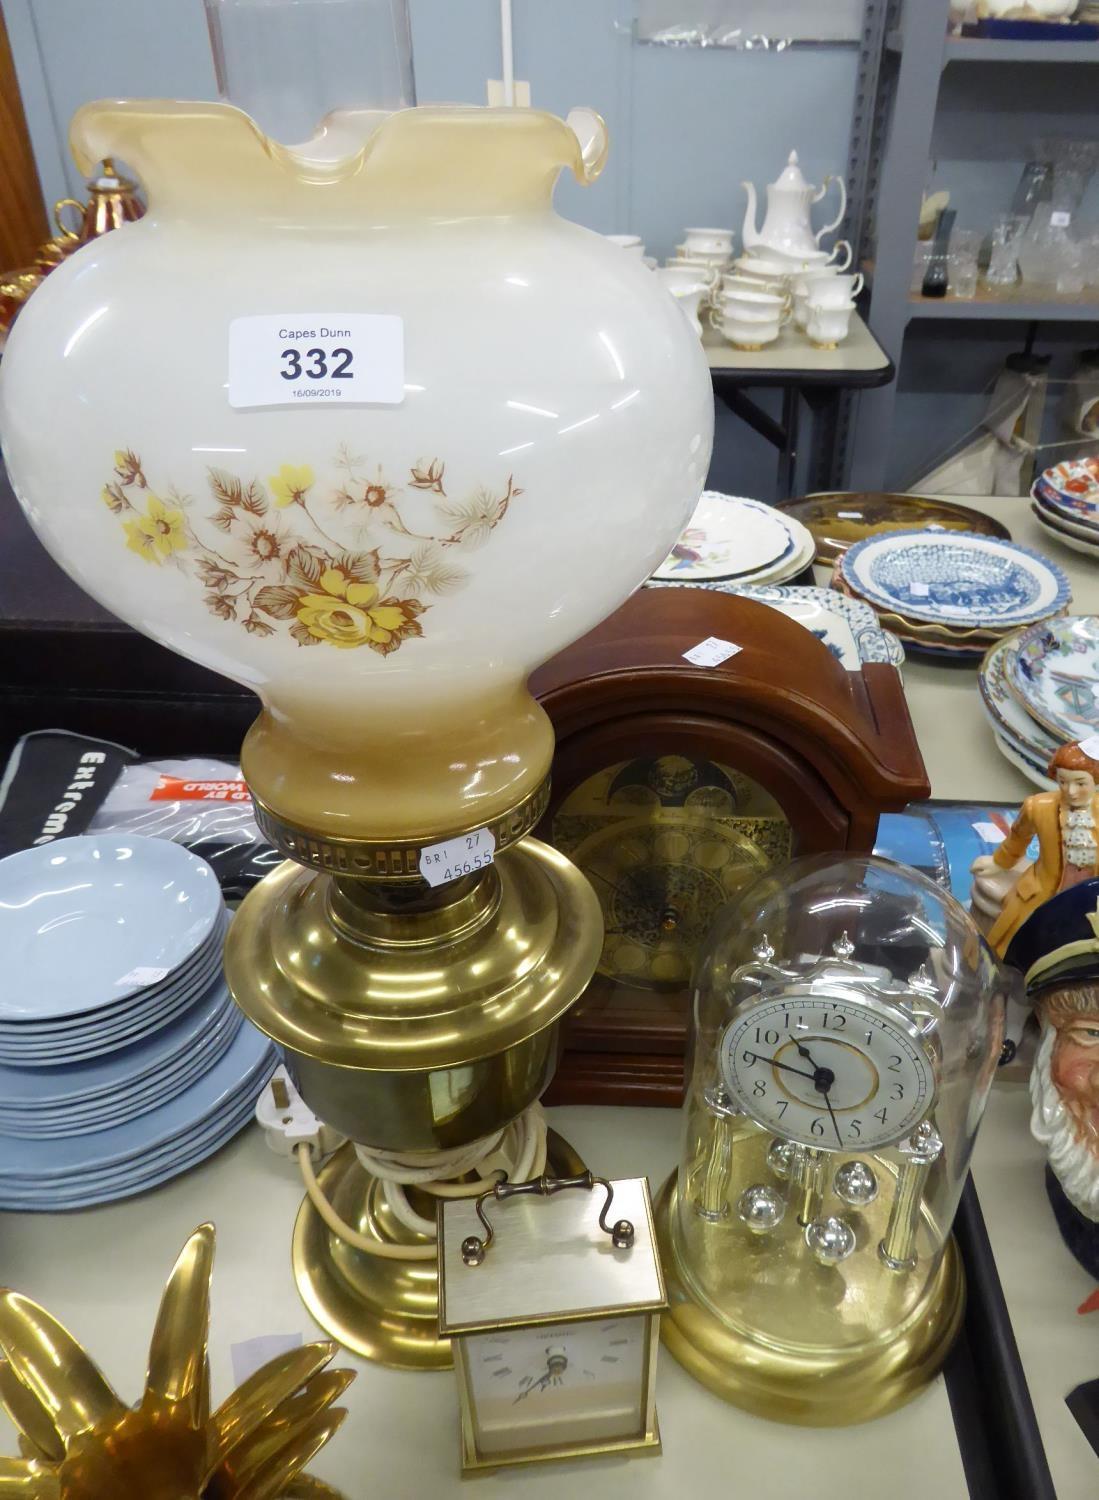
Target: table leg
[788, 456]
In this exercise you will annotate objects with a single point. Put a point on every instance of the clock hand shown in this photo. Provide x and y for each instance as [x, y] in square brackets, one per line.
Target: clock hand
[535, 1385]
[801, 1073]
[832, 1114]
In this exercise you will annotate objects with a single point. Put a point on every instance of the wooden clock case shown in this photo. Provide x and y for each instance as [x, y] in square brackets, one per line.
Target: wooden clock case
[834, 748]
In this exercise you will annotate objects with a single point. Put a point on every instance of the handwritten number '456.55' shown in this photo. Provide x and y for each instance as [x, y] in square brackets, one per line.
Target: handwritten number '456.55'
[317, 366]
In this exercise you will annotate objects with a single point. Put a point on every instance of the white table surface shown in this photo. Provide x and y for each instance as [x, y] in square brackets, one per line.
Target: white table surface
[101, 1271]
[859, 352]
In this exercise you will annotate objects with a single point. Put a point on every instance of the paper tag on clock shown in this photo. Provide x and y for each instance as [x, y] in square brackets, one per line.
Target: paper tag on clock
[711, 652]
[1060, 218]
[458, 856]
[294, 359]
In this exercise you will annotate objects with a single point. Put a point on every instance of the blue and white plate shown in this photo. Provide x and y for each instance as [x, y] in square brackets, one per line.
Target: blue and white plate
[1054, 674]
[91, 920]
[955, 579]
[849, 628]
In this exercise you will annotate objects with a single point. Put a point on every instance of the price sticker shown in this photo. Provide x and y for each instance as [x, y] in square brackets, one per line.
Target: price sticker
[990, 833]
[456, 857]
[711, 652]
[144, 974]
[290, 359]
[919, 590]
[1060, 218]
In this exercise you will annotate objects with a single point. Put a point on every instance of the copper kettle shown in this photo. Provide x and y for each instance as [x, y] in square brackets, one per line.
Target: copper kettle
[113, 202]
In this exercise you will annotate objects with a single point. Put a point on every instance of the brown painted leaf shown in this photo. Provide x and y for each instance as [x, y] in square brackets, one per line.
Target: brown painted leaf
[362, 567]
[252, 499]
[281, 603]
[220, 605]
[223, 520]
[302, 636]
[214, 575]
[255, 626]
[225, 487]
[304, 565]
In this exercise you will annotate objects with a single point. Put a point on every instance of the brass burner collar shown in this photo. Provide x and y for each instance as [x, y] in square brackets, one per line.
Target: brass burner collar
[387, 860]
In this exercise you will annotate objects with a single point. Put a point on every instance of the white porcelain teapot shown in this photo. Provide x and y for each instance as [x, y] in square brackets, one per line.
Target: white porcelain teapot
[787, 225]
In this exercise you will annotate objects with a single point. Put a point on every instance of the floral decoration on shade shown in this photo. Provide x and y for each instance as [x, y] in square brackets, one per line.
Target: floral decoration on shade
[267, 563]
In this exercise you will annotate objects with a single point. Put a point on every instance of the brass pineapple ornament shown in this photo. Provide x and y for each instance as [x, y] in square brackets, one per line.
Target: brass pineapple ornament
[79, 1442]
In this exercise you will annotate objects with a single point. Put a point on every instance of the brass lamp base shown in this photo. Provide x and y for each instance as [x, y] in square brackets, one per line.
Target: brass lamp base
[385, 1310]
[813, 1387]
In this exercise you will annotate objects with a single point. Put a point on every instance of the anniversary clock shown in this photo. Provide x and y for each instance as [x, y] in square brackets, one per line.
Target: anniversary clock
[848, 1017]
[675, 785]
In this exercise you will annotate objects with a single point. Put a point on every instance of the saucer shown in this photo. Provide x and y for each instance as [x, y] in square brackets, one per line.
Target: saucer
[93, 920]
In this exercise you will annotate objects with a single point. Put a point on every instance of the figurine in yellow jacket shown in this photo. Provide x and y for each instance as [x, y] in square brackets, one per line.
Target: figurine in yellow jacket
[1066, 825]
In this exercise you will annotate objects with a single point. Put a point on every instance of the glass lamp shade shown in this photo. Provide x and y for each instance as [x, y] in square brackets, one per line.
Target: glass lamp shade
[384, 576]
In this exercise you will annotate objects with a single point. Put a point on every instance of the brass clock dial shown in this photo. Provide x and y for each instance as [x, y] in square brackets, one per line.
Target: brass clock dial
[660, 880]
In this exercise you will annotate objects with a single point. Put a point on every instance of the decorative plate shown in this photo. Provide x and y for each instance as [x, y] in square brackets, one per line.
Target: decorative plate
[931, 635]
[1078, 538]
[839, 520]
[847, 627]
[790, 566]
[1030, 769]
[1004, 709]
[727, 537]
[1054, 673]
[1070, 509]
[1072, 486]
[956, 578]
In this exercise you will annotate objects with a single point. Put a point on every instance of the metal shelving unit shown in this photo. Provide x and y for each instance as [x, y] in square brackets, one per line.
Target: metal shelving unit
[987, 50]
[908, 93]
[1027, 310]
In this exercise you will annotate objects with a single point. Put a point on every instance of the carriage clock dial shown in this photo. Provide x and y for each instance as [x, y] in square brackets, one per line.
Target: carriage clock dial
[834, 1073]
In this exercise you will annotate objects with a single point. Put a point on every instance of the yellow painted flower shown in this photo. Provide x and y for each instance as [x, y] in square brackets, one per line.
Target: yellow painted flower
[157, 534]
[290, 484]
[349, 614]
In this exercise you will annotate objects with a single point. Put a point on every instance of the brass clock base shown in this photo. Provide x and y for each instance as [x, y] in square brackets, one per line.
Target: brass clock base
[799, 1384]
[386, 1310]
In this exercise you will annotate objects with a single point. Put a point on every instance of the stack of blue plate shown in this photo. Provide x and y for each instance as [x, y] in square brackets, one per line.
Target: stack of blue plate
[123, 1060]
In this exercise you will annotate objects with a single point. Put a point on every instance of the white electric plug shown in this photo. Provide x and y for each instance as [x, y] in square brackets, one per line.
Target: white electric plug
[288, 1122]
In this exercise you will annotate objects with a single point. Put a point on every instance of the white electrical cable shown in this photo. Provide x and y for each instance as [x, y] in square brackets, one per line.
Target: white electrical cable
[507, 53]
[518, 1153]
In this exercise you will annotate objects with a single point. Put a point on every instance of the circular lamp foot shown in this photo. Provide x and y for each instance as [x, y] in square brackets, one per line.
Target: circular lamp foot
[385, 1310]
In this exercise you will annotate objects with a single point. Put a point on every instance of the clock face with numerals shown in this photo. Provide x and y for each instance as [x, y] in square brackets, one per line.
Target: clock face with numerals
[833, 1072]
[574, 1382]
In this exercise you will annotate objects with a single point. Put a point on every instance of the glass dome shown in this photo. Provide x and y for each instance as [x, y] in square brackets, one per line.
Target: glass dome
[848, 1019]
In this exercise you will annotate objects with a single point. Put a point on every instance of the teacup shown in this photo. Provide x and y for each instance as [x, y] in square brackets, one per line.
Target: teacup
[745, 333]
[680, 274]
[752, 306]
[632, 243]
[827, 326]
[827, 288]
[733, 282]
[708, 242]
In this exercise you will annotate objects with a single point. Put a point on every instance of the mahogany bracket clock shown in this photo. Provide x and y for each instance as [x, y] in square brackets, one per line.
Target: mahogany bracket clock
[676, 784]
